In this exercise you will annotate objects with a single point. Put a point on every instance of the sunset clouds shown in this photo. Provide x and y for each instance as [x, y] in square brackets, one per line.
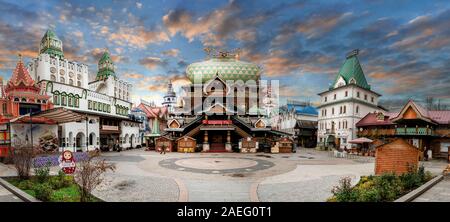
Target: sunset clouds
[405, 46]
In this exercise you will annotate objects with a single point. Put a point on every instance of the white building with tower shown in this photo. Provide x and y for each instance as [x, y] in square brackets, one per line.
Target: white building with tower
[170, 99]
[348, 99]
[105, 101]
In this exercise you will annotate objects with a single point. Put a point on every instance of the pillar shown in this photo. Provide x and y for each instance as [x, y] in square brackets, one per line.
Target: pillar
[228, 143]
[205, 142]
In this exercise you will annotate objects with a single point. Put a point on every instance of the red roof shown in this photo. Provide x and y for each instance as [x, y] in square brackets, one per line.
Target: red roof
[21, 79]
[371, 120]
[153, 112]
[440, 117]
[21, 76]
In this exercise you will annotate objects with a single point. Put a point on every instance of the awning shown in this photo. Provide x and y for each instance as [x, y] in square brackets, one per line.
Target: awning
[57, 115]
[361, 140]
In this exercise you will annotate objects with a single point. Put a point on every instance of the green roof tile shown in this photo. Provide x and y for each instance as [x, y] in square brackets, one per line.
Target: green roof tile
[351, 69]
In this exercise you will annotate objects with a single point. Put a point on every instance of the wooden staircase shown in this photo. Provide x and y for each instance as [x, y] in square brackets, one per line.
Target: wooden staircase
[194, 131]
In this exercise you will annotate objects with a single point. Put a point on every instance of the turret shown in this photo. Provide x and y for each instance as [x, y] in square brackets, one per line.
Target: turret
[105, 66]
[51, 44]
[170, 97]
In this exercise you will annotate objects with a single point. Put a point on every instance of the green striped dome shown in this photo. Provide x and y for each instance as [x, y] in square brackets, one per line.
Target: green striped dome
[227, 68]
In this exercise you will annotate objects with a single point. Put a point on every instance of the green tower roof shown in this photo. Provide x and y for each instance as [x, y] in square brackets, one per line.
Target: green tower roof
[50, 34]
[51, 44]
[352, 72]
[105, 66]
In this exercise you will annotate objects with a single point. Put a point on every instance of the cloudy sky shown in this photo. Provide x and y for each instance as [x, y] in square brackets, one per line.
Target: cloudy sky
[404, 45]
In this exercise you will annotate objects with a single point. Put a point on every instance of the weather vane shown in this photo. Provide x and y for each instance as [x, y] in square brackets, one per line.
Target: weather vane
[219, 53]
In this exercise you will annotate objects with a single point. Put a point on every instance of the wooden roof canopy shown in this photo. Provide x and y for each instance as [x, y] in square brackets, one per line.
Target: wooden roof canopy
[57, 115]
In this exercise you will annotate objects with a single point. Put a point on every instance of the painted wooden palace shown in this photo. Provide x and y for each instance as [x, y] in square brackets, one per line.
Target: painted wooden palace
[221, 109]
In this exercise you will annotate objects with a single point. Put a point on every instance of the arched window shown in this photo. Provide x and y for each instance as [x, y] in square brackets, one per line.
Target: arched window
[91, 138]
[71, 82]
[357, 109]
[53, 77]
[79, 83]
[63, 100]
[70, 101]
[345, 109]
[62, 80]
[56, 98]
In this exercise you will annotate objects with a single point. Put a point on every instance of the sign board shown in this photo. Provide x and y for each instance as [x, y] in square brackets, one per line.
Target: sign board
[105, 127]
[217, 122]
[67, 162]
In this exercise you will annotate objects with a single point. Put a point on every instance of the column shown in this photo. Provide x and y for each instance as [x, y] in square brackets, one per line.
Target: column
[205, 142]
[228, 143]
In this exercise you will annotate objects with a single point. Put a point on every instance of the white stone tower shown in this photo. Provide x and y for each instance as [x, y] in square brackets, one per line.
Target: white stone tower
[170, 99]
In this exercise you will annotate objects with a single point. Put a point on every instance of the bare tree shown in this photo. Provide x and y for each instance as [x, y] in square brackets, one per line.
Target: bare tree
[89, 174]
[22, 157]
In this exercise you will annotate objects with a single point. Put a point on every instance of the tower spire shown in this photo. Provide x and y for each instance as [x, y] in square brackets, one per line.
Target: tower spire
[105, 66]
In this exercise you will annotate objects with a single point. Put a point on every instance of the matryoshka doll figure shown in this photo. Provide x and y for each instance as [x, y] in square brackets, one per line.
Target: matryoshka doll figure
[67, 162]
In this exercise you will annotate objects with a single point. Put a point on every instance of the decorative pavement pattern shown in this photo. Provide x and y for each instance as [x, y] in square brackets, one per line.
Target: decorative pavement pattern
[216, 165]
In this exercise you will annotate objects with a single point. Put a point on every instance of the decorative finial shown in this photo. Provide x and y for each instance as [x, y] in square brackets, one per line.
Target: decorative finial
[237, 53]
[352, 53]
[52, 27]
[208, 51]
[20, 57]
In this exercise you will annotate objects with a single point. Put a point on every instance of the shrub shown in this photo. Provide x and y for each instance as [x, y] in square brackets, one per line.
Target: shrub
[42, 173]
[67, 181]
[43, 191]
[343, 192]
[89, 175]
[22, 157]
[56, 183]
[389, 186]
[25, 185]
[368, 195]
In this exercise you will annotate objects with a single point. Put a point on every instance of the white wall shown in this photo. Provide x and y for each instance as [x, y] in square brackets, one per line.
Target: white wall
[351, 116]
[71, 130]
[128, 130]
[44, 66]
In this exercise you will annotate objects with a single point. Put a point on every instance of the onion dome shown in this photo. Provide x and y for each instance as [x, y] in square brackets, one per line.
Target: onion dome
[224, 64]
[105, 66]
[51, 44]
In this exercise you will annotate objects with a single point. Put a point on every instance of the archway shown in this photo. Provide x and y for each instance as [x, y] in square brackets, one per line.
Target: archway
[80, 142]
[70, 140]
[92, 139]
[132, 140]
[125, 140]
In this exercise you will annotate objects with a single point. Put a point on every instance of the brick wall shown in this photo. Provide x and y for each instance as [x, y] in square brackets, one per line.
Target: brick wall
[396, 157]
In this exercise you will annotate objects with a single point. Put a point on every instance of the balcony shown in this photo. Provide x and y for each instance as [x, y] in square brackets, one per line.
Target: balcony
[110, 128]
[414, 131]
[376, 132]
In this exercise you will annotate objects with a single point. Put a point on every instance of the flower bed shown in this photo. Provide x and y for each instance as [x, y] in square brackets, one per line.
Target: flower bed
[52, 160]
[384, 188]
[60, 188]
